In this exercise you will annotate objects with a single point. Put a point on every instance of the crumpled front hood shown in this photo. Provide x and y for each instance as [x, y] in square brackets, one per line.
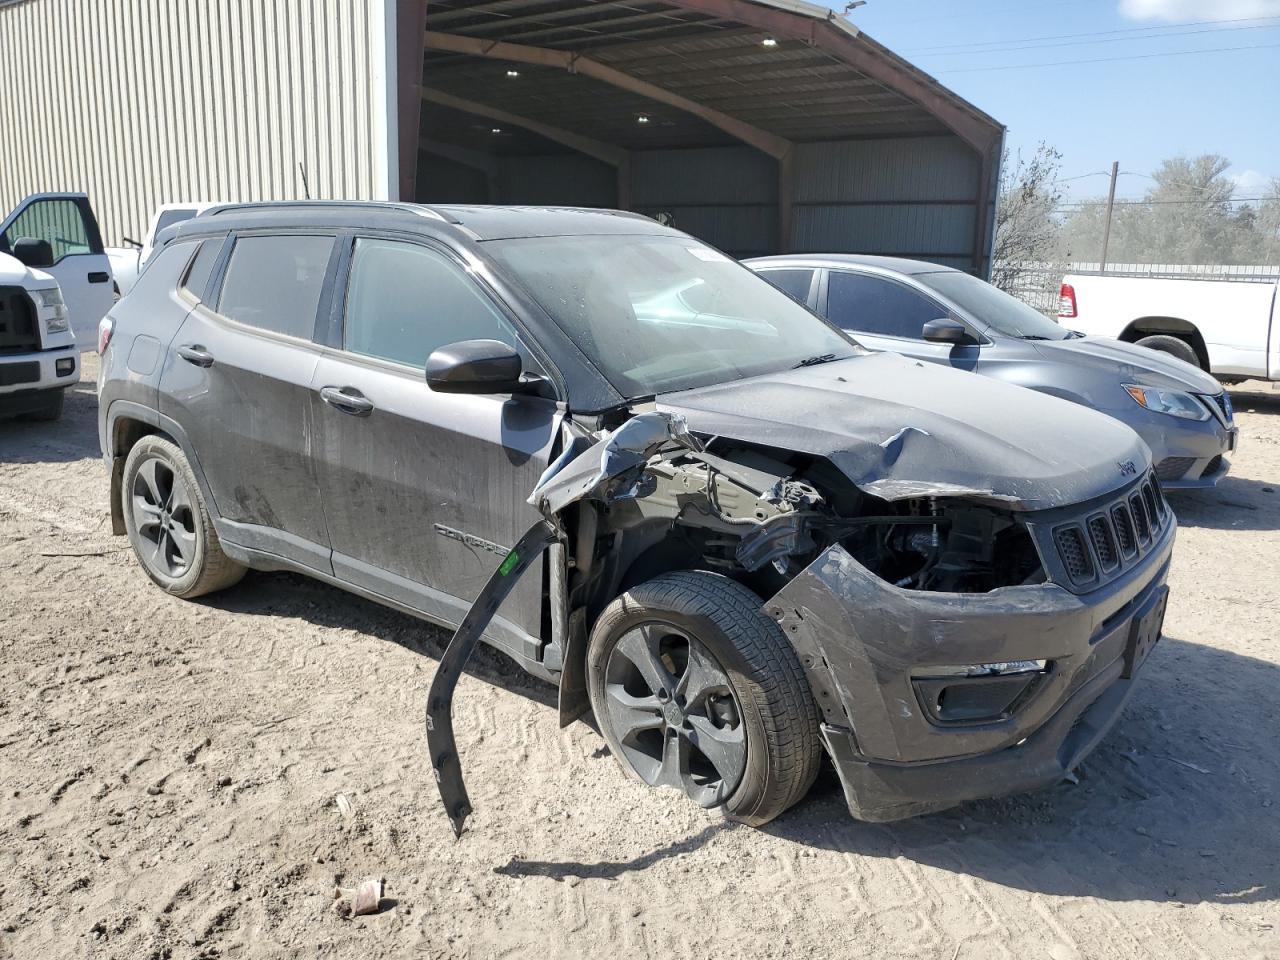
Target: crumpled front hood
[1129, 363]
[900, 428]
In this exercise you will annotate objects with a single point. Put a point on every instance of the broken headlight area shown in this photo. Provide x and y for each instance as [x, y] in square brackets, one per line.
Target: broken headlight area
[763, 516]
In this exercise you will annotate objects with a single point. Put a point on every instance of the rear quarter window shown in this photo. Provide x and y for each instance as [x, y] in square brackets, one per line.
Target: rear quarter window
[195, 281]
[164, 270]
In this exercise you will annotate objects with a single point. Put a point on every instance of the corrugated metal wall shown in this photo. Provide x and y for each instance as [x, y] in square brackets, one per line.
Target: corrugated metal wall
[571, 179]
[141, 102]
[913, 197]
[727, 196]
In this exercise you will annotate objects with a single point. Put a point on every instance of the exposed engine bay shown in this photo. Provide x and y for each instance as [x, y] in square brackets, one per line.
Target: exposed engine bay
[763, 516]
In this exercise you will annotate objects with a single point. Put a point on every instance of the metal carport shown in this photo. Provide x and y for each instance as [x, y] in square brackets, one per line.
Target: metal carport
[762, 126]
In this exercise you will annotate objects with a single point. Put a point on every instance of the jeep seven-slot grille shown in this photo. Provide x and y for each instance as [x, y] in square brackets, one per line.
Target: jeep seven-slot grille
[1105, 543]
[1140, 519]
[1074, 553]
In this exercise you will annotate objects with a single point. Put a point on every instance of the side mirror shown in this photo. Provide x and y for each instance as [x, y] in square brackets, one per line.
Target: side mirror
[32, 252]
[946, 330]
[475, 366]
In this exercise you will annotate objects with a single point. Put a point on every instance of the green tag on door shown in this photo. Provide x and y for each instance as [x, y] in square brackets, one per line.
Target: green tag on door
[509, 563]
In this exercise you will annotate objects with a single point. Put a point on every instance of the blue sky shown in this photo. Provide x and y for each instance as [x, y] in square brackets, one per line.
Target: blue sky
[1137, 111]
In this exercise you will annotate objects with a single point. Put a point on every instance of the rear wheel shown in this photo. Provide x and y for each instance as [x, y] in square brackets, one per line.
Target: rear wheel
[695, 688]
[168, 525]
[1175, 346]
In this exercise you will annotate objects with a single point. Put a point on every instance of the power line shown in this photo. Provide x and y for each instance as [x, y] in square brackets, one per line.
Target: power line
[1097, 33]
[1089, 43]
[1139, 56]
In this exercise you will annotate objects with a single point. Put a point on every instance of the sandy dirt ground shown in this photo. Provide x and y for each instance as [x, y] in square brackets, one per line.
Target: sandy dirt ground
[170, 774]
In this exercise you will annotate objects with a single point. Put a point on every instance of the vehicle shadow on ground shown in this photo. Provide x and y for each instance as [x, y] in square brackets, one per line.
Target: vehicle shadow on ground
[1175, 805]
[1257, 400]
[299, 597]
[1236, 503]
[71, 439]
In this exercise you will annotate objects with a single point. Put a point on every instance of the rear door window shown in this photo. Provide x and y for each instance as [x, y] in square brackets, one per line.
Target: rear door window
[861, 303]
[274, 282]
[794, 282]
[405, 300]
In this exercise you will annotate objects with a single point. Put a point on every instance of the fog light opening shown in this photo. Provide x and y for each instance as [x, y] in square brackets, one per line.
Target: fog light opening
[65, 367]
[977, 693]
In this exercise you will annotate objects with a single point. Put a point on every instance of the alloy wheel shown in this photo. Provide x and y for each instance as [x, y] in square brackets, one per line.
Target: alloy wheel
[674, 712]
[164, 518]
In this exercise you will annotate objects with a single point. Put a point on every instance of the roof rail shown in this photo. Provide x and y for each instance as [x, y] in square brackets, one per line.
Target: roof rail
[416, 208]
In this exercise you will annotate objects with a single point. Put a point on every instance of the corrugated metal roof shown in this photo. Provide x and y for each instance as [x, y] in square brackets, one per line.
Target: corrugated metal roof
[795, 87]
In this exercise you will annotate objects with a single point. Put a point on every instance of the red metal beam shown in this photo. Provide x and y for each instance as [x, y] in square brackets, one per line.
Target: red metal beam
[769, 143]
[411, 19]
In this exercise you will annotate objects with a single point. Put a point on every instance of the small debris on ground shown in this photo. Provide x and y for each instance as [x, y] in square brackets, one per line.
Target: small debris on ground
[362, 901]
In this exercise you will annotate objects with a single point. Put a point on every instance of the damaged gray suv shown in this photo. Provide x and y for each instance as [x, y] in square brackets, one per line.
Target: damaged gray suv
[761, 541]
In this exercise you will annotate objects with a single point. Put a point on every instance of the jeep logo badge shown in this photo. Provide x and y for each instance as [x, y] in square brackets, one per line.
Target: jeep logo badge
[1127, 469]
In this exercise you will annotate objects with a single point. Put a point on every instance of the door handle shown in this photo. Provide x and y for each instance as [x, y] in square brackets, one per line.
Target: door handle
[99, 276]
[348, 400]
[194, 353]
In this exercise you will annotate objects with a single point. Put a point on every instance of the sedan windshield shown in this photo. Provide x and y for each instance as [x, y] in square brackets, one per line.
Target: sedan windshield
[995, 308]
[662, 313]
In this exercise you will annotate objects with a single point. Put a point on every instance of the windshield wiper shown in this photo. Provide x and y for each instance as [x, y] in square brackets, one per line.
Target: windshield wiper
[814, 361]
[1032, 336]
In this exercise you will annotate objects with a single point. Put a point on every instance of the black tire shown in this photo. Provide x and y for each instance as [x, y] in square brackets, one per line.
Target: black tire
[51, 409]
[168, 525]
[1174, 346]
[770, 697]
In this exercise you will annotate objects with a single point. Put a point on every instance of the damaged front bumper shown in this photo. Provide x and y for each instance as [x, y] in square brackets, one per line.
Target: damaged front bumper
[1035, 676]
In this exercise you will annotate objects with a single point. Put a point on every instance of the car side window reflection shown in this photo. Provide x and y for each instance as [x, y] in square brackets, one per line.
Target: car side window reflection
[861, 303]
[274, 283]
[405, 300]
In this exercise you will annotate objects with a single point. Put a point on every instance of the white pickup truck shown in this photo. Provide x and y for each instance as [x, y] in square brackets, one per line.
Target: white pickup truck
[55, 283]
[127, 262]
[1229, 328]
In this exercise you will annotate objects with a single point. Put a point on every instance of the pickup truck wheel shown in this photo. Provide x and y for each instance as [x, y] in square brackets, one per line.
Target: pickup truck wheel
[1175, 346]
[695, 688]
[168, 525]
[51, 410]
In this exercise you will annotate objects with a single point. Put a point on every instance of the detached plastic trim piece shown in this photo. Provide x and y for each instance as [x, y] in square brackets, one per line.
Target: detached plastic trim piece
[441, 745]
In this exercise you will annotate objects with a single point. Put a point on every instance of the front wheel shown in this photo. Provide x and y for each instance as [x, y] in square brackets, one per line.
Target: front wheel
[168, 525]
[695, 688]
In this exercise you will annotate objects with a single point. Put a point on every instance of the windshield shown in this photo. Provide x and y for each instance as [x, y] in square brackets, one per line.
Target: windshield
[997, 309]
[662, 313]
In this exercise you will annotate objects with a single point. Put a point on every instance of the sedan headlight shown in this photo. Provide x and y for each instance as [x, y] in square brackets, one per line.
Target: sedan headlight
[51, 298]
[1176, 403]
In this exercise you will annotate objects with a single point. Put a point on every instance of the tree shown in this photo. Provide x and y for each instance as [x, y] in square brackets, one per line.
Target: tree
[1268, 225]
[1186, 217]
[1026, 227]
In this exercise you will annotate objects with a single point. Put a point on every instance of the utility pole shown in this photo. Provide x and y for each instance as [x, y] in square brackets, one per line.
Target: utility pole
[1111, 206]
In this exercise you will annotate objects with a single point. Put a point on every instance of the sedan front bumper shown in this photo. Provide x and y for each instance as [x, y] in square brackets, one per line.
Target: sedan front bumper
[866, 645]
[1190, 455]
